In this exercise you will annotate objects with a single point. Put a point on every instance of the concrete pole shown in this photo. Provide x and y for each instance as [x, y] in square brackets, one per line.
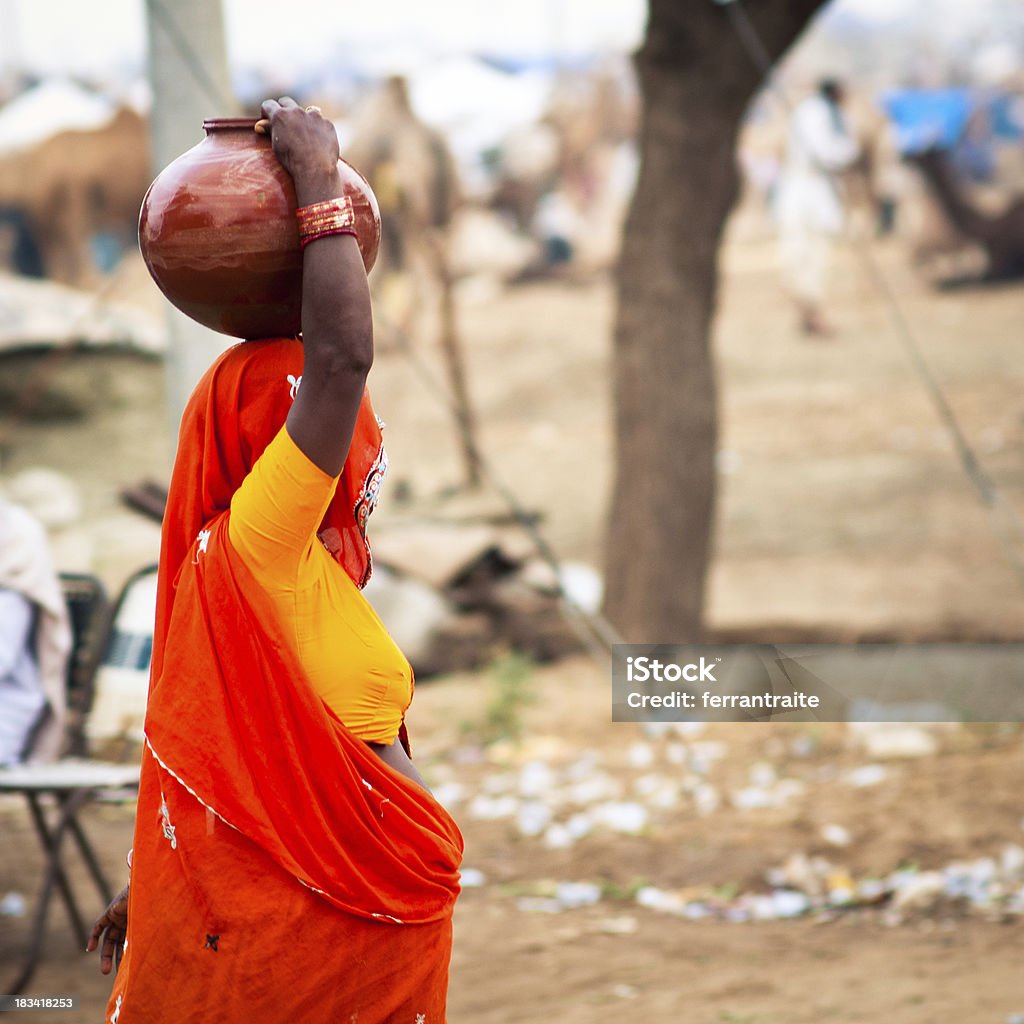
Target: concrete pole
[11, 64]
[188, 74]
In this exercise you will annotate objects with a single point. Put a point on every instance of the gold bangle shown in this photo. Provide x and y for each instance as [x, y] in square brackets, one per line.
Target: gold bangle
[310, 217]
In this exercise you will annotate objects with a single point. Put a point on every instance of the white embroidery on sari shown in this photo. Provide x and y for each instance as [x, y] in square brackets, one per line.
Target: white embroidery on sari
[295, 382]
[165, 824]
[203, 540]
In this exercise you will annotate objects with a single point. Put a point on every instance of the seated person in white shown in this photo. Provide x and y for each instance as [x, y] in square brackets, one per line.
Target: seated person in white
[35, 638]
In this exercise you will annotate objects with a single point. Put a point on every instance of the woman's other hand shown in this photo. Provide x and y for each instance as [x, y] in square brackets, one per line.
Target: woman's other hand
[112, 925]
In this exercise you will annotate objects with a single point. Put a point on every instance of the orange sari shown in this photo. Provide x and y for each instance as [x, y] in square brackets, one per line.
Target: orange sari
[281, 871]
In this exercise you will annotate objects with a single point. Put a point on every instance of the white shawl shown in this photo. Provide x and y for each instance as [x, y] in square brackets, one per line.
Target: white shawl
[26, 566]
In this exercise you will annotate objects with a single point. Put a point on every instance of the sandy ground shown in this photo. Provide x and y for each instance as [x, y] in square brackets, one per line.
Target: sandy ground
[843, 510]
[516, 960]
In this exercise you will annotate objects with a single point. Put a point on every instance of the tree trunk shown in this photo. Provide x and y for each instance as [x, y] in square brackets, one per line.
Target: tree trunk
[696, 81]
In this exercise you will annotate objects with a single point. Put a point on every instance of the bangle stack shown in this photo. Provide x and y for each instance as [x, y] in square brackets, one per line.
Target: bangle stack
[331, 217]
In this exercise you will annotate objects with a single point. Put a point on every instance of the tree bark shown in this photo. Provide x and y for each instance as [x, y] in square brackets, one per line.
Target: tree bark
[696, 81]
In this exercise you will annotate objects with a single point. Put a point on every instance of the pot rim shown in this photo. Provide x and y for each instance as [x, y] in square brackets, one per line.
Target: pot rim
[215, 124]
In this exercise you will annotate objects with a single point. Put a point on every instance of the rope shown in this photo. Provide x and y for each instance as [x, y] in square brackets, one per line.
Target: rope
[1006, 522]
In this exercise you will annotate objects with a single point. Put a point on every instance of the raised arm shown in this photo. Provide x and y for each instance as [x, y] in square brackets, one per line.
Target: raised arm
[337, 325]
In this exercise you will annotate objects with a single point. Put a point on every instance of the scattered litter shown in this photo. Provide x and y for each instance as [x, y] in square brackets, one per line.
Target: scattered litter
[893, 740]
[1012, 861]
[448, 794]
[625, 991]
[803, 746]
[628, 817]
[866, 775]
[641, 755]
[835, 835]
[498, 782]
[491, 808]
[557, 837]
[785, 903]
[560, 799]
[624, 924]
[658, 899]
[473, 878]
[563, 896]
[582, 585]
[675, 753]
[805, 885]
[689, 729]
[13, 905]
[805, 874]
[533, 818]
[539, 905]
[706, 799]
[597, 787]
[657, 790]
[579, 825]
[776, 795]
[704, 754]
[535, 778]
[584, 766]
[919, 891]
[562, 835]
[577, 894]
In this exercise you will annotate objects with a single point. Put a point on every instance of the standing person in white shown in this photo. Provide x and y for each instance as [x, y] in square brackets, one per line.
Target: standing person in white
[809, 200]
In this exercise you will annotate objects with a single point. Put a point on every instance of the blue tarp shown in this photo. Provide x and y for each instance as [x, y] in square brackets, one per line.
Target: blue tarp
[928, 119]
[938, 119]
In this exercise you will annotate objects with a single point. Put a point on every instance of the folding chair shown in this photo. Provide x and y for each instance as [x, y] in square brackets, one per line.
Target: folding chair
[57, 792]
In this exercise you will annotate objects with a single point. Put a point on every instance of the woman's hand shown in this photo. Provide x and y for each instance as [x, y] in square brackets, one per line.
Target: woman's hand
[112, 925]
[306, 145]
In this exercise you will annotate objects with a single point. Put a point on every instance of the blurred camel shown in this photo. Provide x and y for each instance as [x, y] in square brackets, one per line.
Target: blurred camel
[75, 185]
[1001, 236]
[413, 175]
[410, 169]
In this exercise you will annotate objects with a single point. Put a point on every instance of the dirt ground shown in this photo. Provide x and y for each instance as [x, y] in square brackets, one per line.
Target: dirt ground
[843, 511]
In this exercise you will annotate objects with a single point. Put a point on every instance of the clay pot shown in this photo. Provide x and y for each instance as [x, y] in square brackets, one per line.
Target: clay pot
[218, 232]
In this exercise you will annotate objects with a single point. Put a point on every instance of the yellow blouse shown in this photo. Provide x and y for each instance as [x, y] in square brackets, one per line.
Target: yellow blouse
[350, 658]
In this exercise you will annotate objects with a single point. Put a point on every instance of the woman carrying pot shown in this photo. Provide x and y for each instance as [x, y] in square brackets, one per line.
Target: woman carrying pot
[288, 862]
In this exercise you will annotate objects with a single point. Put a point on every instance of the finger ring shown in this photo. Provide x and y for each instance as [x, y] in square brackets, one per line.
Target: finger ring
[313, 110]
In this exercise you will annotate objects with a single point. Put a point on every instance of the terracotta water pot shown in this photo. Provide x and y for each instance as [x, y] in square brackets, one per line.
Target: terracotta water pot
[218, 232]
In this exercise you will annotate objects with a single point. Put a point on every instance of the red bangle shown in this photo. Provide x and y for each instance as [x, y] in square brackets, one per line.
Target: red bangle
[330, 217]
